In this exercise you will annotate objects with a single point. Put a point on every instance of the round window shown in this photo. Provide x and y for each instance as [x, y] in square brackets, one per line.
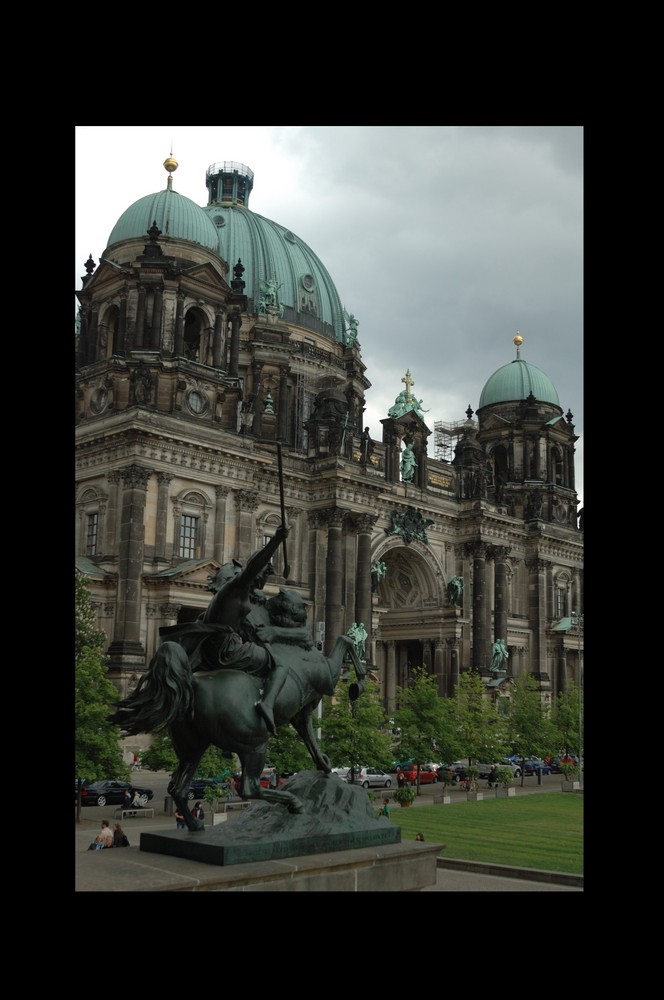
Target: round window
[196, 401]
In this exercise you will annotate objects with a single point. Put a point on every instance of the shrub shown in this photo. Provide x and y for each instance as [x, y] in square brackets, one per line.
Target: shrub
[405, 794]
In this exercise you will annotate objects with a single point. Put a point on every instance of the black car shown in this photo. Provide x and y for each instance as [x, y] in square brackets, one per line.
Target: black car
[110, 793]
[457, 770]
[198, 786]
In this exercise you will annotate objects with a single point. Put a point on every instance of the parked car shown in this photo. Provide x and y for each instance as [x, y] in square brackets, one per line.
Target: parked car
[484, 769]
[428, 774]
[111, 793]
[198, 786]
[532, 764]
[369, 777]
[567, 758]
[341, 772]
[457, 769]
[266, 777]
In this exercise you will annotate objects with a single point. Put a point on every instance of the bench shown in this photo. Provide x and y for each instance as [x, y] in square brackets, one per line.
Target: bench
[124, 813]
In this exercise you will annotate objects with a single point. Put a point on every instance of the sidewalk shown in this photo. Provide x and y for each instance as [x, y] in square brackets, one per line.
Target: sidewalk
[133, 870]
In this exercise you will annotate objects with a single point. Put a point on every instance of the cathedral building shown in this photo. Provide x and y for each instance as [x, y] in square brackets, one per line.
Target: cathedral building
[220, 387]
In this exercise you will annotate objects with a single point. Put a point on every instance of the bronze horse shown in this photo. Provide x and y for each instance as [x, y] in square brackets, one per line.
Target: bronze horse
[218, 708]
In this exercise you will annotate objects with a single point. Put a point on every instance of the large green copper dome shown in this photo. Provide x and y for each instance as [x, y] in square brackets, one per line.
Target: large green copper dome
[306, 294]
[175, 215]
[516, 381]
[269, 252]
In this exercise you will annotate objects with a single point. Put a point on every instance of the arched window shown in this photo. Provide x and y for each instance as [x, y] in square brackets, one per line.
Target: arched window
[193, 329]
[191, 517]
[499, 458]
[267, 527]
[558, 467]
[91, 509]
[561, 590]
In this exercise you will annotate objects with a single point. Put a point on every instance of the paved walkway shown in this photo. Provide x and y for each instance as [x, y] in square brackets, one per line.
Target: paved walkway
[131, 869]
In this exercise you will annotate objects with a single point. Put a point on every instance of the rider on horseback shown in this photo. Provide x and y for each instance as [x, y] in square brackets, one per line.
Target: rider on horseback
[224, 637]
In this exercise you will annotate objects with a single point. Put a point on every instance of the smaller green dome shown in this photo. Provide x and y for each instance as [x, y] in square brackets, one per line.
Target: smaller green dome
[176, 216]
[516, 381]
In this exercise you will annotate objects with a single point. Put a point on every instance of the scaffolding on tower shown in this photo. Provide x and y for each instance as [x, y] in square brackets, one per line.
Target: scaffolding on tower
[445, 439]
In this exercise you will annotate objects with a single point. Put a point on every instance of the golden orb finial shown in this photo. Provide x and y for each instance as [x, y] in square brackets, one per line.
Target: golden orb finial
[170, 163]
[518, 339]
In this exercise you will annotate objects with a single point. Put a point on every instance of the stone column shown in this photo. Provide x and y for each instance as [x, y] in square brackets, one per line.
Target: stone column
[569, 466]
[140, 318]
[500, 554]
[113, 480]
[453, 671]
[218, 339]
[294, 544]
[282, 419]
[93, 333]
[537, 615]
[236, 320]
[178, 343]
[364, 524]
[126, 646]
[316, 565]
[82, 356]
[481, 644]
[220, 492]
[121, 347]
[256, 426]
[163, 480]
[157, 313]
[246, 504]
[391, 679]
[334, 618]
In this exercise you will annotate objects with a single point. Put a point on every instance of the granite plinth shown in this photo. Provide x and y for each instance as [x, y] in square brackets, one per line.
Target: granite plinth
[334, 817]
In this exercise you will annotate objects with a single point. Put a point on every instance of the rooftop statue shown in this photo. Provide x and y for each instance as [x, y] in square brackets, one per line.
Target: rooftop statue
[350, 334]
[405, 401]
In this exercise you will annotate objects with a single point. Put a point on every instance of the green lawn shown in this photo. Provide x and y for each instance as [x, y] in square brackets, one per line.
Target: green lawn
[530, 831]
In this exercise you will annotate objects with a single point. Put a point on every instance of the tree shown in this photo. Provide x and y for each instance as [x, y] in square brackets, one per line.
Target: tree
[351, 730]
[161, 756]
[566, 716]
[426, 722]
[480, 728]
[287, 752]
[96, 741]
[530, 728]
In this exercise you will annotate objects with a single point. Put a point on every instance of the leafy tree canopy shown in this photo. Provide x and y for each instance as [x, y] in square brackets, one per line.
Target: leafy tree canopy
[480, 728]
[96, 742]
[531, 731]
[352, 731]
[426, 721]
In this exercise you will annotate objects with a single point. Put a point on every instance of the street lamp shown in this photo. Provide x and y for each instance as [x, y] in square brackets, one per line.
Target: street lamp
[577, 621]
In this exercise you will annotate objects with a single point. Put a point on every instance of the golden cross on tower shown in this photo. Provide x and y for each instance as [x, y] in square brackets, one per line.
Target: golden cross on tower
[408, 379]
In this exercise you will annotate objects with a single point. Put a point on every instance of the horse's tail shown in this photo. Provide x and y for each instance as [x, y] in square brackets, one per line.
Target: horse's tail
[163, 694]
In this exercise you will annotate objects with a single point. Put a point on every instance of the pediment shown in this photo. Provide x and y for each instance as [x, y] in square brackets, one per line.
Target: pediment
[494, 422]
[193, 575]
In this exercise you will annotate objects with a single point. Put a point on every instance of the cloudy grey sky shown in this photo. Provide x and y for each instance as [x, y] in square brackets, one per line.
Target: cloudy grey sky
[443, 240]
